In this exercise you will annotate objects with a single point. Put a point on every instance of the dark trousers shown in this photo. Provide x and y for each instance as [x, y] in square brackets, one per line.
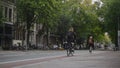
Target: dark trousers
[91, 45]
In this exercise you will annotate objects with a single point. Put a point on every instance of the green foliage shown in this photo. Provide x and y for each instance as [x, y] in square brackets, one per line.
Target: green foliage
[36, 11]
[85, 19]
[59, 15]
[25, 10]
[112, 18]
[41, 11]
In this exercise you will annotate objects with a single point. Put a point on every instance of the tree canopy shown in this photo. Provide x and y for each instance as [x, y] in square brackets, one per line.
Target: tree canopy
[85, 17]
[112, 17]
[36, 11]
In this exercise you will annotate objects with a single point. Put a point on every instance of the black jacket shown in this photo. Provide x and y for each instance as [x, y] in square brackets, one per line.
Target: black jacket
[71, 36]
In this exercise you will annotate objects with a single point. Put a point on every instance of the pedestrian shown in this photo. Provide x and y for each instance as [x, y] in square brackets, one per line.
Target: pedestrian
[90, 43]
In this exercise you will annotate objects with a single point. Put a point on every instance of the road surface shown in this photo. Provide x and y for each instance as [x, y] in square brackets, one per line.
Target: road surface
[58, 59]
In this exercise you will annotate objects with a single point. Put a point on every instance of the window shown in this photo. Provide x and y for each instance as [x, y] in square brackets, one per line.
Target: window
[6, 9]
[1, 12]
[10, 15]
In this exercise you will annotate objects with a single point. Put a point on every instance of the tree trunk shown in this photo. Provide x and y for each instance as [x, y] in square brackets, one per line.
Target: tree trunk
[47, 30]
[27, 35]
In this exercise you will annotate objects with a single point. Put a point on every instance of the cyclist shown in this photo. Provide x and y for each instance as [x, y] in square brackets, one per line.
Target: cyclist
[70, 40]
[90, 43]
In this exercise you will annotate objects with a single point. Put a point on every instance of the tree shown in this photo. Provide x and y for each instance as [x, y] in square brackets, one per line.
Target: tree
[112, 18]
[86, 19]
[36, 11]
[25, 13]
[64, 18]
[82, 15]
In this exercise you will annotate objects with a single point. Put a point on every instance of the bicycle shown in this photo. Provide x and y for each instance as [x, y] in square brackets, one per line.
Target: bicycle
[70, 49]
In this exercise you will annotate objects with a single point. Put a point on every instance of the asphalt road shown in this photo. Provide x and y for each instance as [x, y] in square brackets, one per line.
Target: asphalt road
[8, 56]
[58, 59]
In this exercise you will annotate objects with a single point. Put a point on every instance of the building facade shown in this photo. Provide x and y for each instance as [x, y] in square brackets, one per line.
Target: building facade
[13, 33]
[6, 28]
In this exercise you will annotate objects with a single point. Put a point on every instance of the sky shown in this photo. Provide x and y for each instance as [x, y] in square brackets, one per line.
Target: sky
[97, 0]
[94, 1]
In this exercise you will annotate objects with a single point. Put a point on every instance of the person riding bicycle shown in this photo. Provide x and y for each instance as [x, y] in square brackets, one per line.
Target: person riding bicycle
[91, 42]
[71, 37]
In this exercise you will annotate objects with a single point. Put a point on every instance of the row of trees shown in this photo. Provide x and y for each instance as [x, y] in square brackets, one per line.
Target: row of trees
[37, 11]
[84, 17]
[58, 15]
